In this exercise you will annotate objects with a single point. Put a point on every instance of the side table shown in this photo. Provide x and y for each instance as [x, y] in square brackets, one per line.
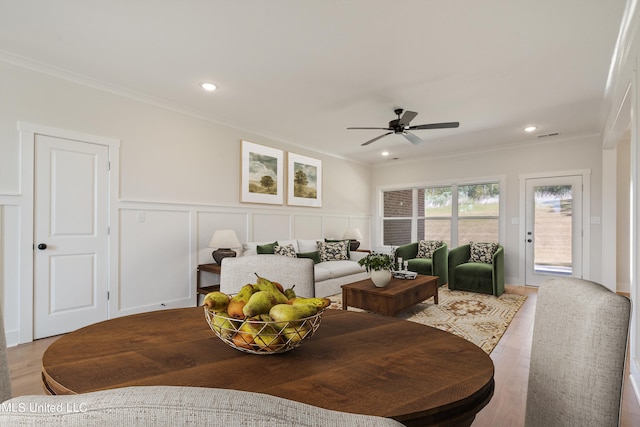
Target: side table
[209, 268]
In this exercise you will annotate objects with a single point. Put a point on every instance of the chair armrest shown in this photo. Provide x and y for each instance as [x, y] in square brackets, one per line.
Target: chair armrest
[457, 256]
[407, 252]
[498, 271]
[440, 264]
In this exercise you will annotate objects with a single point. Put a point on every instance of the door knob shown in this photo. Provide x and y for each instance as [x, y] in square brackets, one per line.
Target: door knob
[42, 246]
[529, 240]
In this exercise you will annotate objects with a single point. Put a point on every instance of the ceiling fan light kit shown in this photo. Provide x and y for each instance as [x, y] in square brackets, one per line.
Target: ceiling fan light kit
[401, 126]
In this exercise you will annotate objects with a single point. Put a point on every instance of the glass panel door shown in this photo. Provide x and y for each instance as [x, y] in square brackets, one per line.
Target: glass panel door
[553, 228]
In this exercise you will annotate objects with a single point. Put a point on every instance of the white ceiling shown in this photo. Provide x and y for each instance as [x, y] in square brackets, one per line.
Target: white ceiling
[304, 71]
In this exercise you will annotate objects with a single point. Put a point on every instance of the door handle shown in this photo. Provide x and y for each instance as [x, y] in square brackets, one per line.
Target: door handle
[529, 240]
[42, 246]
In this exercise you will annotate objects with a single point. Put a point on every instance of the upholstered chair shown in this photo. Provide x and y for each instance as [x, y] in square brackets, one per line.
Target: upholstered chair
[577, 355]
[436, 265]
[484, 277]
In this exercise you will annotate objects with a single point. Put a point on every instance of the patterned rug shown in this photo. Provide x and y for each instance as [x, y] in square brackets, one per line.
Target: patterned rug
[479, 318]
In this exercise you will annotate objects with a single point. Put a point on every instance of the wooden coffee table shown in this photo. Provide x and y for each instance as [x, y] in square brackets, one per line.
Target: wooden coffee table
[398, 295]
[356, 362]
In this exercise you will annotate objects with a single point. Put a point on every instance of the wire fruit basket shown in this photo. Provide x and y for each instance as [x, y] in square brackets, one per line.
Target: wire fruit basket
[262, 336]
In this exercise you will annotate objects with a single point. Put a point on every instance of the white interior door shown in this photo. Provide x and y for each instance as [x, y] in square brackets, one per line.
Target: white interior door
[553, 228]
[71, 235]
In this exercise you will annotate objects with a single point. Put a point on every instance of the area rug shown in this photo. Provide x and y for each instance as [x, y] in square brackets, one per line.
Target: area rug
[479, 318]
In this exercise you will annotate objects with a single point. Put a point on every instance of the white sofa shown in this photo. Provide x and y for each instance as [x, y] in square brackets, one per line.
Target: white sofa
[325, 277]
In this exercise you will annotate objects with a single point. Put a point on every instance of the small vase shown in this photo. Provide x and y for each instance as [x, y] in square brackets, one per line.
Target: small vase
[380, 278]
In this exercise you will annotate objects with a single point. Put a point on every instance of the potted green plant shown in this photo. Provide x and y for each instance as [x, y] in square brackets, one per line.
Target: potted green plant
[379, 266]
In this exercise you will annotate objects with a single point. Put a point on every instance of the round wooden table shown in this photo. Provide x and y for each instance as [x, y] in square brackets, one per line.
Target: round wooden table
[356, 362]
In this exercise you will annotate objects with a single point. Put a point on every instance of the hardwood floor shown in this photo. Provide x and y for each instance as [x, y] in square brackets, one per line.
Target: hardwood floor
[511, 359]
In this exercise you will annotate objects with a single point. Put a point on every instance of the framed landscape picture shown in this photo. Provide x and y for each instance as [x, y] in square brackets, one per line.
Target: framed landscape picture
[262, 174]
[304, 181]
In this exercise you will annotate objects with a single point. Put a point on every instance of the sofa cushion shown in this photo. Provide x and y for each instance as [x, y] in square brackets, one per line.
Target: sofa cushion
[341, 268]
[321, 273]
[333, 251]
[315, 256]
[426, 248]
[266, 248]
[286, 250]
[482, 252]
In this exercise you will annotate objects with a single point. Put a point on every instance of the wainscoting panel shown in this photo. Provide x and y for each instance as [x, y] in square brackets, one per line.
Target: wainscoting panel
[269, 227]
[155, 260]
[10, 270]
[307, 226]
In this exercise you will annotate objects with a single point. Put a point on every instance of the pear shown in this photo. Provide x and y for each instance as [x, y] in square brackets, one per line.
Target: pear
[288, 312]
[266, 285]
[290, 293]
[238, 302]
[259, 303]
[318, 302]
[268, 338]
[245, 336]
[295, 334]
[216, 301]
[223, 325]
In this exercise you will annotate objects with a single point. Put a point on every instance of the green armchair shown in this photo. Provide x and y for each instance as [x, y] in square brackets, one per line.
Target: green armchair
[436, 266]
[476, 276]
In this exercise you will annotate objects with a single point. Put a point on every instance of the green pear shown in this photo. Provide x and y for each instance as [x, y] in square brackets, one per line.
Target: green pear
[318, 302]
[216, 301]
[268, 286]
[295, 334]
[223, 325]
[259, 303]
[289, 313]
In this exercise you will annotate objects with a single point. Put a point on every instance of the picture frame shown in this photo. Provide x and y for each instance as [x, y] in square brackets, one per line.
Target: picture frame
[262, 174]
[304, 181]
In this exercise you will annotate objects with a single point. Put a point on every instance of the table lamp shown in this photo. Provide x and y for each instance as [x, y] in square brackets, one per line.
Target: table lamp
[353, 234]
[224, 240]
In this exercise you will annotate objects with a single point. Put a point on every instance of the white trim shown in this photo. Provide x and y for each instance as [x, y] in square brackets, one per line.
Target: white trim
[586, 217]
[27, 132]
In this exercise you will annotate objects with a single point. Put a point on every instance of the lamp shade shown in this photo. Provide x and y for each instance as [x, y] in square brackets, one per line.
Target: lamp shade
[225, 239]
[353, 234]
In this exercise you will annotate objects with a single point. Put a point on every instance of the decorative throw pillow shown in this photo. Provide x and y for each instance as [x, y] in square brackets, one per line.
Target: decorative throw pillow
[483, 252]
[341, 240]
[333, 251]
[315, 256]
[266, 248]
[286, 250]
[426, 248]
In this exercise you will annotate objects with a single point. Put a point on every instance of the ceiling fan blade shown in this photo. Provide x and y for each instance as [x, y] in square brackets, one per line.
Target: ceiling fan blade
[407, 117]
[370, 128]
[376, 138]
[412, 138]
[436, 126]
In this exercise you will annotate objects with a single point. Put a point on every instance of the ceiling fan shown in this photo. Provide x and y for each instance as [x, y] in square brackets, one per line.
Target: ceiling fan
[401, 126]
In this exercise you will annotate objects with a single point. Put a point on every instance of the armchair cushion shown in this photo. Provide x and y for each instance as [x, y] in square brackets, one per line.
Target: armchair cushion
[482, 252]
[426, 248]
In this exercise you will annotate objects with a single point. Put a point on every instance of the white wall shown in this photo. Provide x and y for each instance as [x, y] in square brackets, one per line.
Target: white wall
[557, 156]
[180, 171]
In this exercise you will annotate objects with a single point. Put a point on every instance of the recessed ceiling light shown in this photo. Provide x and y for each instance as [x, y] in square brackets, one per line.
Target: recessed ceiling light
[385, 153]
[209, 87]
[530, 128]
